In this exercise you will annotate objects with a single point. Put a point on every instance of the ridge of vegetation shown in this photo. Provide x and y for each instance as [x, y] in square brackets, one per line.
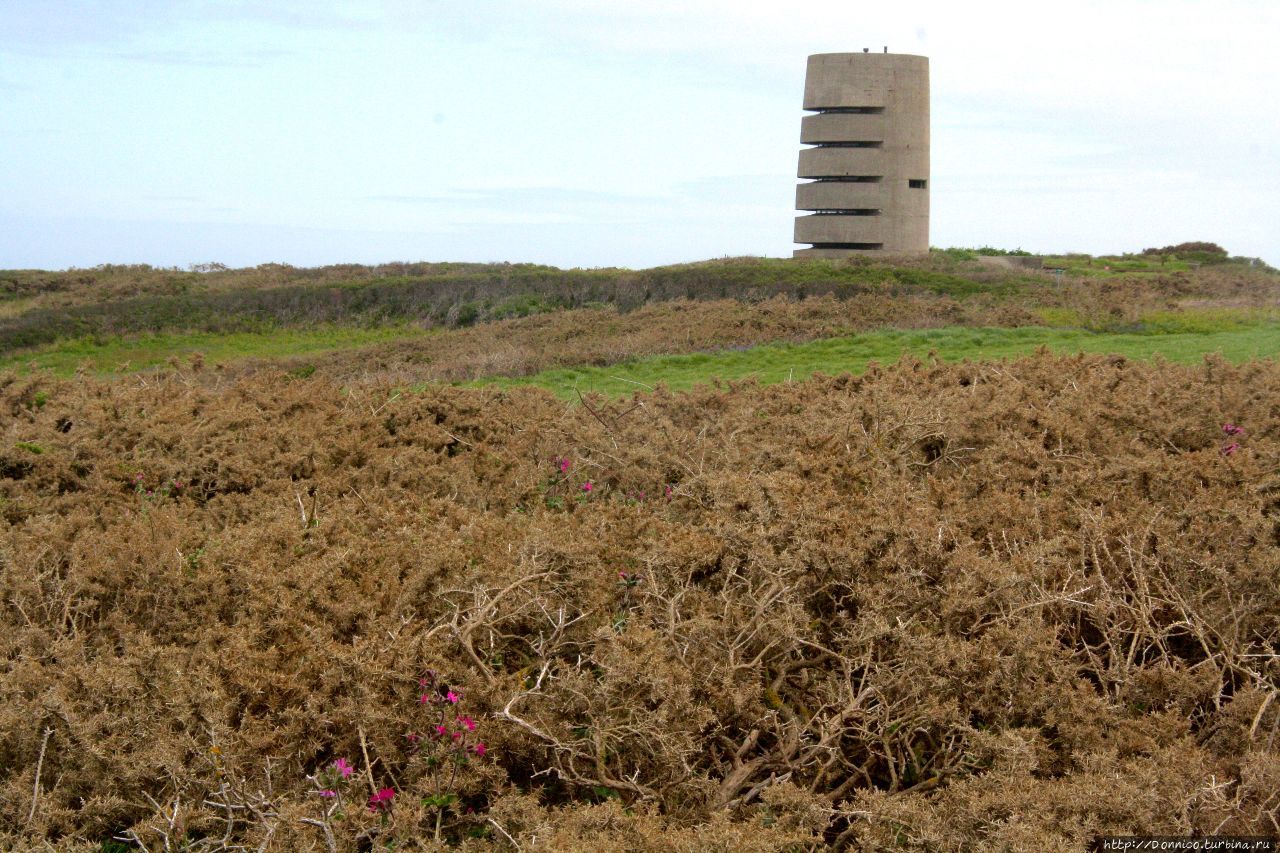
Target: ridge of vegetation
[453, 297]
[621, 315]
[42, 307]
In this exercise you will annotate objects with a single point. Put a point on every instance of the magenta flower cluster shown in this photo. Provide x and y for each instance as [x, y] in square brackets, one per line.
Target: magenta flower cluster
[340, 771]
[332, 777]
[452, 735]
[1231, 431]
[380, 803]
[453, 732]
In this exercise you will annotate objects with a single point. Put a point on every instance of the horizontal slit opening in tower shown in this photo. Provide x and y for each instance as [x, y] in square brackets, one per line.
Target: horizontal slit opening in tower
[850, 179]
[859, 246]
[848, 211]
[918, 183]
[847, 110]
[867, 144]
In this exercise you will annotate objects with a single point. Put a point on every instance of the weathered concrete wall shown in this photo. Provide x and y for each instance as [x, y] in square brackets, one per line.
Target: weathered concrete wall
[870, 163]
[823, 127]
[841, 162]
[839, 195]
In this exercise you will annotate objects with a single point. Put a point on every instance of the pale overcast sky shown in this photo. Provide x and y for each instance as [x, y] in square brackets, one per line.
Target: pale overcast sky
[590, 133]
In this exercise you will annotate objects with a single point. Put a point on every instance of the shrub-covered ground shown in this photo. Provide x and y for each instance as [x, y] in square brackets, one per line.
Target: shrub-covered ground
[38, 308]
[937, 606]
[624, 315]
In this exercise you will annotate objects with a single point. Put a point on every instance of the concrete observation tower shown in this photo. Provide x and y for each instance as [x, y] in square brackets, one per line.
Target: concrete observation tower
[869, 164]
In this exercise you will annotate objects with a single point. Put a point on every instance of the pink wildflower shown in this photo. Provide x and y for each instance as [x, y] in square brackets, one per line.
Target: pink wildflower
[413, 737]
[426, 699]
[381, 801]
[328, 793]
[468, 723]
[1230, 449]
[586, 487]
[453, 697]
[442, 730]
[668, 492]
[1232, 429]
[344, 768]
[479, 749]
[564, 464]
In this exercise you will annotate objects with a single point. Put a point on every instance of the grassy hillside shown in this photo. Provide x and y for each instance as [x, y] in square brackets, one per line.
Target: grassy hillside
[517, 320]
[771, 363]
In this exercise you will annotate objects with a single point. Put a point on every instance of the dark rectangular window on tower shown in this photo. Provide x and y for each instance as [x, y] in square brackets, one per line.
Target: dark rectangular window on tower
[917, 183]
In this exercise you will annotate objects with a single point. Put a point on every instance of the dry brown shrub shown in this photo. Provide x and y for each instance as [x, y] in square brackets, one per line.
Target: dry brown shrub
[936, 606]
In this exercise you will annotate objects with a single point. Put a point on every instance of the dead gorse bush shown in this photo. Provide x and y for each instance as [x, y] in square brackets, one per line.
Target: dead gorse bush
[936, 607]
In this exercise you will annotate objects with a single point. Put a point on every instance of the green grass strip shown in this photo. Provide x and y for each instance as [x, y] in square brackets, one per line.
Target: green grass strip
[145, 351]
[794, 362]
[1189, 320]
